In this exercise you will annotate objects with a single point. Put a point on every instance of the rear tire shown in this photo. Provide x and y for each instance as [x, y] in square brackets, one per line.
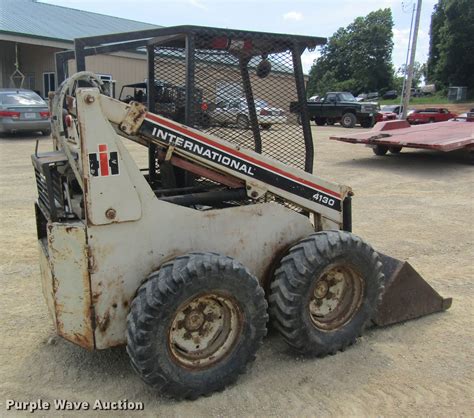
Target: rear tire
[348, 120]
[196, 324]
[380, 150]
[320, 121]
[325, 292]
[395, 150]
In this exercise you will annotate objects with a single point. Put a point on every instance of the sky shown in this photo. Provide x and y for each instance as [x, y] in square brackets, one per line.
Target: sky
[299, 17]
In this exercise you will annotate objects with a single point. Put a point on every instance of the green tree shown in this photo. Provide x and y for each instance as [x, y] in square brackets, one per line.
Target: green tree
[451, 56]
[356, 58]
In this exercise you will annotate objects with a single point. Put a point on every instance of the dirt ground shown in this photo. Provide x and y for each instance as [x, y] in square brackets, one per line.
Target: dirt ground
[417, 205]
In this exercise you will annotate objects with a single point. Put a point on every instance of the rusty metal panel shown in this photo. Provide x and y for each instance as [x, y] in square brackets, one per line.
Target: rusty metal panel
[67, 248]
[442, 136]
[255, 235]
[46, 278]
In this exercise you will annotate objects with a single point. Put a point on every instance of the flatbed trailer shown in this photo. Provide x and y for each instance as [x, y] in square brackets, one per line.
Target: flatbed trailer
[394, 135]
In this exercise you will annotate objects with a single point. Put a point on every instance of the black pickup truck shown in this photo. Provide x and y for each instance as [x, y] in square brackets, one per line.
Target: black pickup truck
[340, 107]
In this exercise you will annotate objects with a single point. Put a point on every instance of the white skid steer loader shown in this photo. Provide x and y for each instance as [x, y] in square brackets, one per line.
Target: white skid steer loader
[185, 263]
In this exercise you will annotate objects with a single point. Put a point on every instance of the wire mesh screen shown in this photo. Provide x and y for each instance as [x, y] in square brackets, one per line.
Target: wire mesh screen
[242, 88]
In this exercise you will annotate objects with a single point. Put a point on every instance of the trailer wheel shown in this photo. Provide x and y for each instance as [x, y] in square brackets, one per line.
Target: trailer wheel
[325, 291]
[380, 150]
[348, 120]
[395, 150]
[195, 325]
[320, 121]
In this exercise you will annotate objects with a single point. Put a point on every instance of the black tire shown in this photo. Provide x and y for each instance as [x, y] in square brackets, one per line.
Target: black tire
[46, 132]
[266, 126]
[367, 123]
[242, 122]
[380, 149]
[165, 310]
[395, 150]
[348, 120]
[320, 121]
[330, 122]
[307, 267]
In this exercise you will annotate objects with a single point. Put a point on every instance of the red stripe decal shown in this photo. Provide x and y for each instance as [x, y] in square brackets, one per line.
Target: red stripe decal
[104, 164]
[236, 153]
[102, 147]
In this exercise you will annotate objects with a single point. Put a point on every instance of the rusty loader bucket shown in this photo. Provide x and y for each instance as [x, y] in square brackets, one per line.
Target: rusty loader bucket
[407, 295]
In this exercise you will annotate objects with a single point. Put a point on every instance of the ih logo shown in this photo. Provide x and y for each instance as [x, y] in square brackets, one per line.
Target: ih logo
[103, 163]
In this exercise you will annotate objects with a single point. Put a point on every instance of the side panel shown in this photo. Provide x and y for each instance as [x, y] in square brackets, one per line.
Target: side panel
[68, 257]
[126, 253]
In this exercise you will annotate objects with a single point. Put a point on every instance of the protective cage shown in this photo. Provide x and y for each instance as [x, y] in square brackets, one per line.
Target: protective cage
[237, 85]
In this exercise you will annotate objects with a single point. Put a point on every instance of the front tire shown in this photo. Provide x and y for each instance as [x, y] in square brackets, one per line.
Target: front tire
[325, 292]
[196, 324]
[348, 120]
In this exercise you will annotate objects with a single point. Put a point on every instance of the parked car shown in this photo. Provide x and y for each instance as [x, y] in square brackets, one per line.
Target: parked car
[235, 112]
[23, 110]
[430, 115]
[314, 99]
[383, 116]
[391, 94]
[361, 97]
[371, 96]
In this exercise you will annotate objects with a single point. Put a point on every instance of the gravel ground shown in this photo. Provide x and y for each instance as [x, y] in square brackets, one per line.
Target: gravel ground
[417, 205]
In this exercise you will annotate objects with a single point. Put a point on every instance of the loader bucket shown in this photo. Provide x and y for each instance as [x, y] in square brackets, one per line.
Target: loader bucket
[407, 295]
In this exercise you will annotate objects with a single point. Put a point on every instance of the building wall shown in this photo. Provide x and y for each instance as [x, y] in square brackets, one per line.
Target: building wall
[277, 89]
[33, 61]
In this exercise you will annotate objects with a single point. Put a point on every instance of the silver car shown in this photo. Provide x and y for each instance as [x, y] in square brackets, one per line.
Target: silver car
[23, 111]
[235, 112]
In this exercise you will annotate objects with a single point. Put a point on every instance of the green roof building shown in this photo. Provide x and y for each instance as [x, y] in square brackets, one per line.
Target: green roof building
[31, 32]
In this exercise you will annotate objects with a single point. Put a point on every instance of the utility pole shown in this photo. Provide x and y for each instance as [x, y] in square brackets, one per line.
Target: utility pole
[406, 98]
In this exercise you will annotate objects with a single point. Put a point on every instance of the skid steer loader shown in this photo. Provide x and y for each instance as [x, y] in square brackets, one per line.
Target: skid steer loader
[185, 261]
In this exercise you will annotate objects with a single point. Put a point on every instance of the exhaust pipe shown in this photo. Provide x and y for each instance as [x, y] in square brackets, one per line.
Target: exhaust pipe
[407, 295]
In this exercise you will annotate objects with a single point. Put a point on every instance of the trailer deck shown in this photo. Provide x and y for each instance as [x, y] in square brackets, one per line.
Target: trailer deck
[443, 136]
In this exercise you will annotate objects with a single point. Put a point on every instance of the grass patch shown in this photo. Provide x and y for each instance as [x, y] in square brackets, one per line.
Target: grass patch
[438, 99]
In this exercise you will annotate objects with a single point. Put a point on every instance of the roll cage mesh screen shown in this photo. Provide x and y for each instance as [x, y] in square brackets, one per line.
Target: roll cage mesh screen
[241, 86]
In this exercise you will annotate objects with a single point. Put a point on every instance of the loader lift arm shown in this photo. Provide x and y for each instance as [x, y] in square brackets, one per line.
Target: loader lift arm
[219, 160]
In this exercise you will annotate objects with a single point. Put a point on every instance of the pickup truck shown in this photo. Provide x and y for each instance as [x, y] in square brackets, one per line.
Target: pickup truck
[340, 107]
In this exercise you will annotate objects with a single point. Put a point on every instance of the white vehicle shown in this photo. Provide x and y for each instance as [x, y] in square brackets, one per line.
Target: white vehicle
[235, 112]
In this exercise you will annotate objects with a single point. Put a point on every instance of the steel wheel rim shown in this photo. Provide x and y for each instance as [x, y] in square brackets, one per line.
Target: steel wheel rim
[347, 120]
[335, 297]
[204, 330]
